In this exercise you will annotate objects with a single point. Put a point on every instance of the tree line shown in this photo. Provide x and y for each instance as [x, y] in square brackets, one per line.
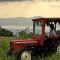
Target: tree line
[5, 32]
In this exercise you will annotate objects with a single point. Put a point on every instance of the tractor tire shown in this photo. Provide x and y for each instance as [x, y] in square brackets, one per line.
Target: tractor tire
[24, 55]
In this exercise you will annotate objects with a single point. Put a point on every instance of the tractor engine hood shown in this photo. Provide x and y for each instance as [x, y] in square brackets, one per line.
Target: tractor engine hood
[23, 43]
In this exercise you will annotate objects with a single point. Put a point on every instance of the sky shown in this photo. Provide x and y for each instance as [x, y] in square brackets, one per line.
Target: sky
[12, 9]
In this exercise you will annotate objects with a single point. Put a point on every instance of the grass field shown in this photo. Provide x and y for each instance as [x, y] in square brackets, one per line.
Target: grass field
[4, 46]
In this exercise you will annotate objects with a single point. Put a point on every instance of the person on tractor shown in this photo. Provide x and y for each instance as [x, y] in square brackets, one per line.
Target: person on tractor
[52, 31]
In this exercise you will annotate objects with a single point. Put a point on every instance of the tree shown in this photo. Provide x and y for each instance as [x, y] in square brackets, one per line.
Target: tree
[4, 32]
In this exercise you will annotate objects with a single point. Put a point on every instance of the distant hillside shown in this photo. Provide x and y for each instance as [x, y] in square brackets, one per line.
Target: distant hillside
[18, 21]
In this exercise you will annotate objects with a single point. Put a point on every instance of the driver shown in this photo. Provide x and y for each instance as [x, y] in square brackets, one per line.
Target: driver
[52, 31]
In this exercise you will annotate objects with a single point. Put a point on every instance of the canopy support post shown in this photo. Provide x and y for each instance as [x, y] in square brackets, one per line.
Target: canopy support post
[55, 26]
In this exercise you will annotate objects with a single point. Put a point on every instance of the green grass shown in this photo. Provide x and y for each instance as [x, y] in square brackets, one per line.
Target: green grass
[4, 46]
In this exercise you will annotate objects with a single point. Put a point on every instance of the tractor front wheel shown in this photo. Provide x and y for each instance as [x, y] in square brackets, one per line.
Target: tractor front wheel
[24, 55]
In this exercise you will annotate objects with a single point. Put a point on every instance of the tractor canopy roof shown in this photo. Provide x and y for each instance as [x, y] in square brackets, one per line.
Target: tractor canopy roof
[48, 19]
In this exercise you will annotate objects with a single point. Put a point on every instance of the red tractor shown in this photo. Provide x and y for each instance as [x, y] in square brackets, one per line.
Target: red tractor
[41, 43]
